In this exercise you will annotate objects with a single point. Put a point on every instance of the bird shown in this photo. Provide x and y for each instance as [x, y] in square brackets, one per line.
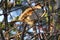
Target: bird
[25, 16]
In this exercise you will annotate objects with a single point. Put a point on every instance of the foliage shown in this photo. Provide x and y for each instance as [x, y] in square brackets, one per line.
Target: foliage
[11, 24]
[58, 21]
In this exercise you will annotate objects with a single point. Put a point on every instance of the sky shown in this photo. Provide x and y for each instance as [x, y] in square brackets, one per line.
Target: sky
[1, 17]
[13, 14]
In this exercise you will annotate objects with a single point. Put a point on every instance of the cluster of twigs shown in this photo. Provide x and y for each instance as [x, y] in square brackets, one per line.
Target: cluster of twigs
[20, 35]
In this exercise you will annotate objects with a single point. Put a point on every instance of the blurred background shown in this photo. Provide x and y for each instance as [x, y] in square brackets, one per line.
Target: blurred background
[12, 29]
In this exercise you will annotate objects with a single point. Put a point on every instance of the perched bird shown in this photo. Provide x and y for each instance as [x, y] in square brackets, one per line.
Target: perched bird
[25, 16]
